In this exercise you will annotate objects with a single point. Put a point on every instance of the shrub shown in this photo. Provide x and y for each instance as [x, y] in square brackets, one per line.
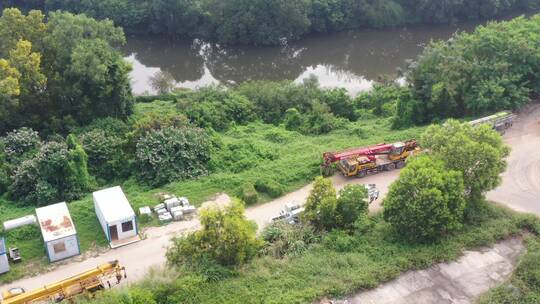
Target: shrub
[226, 237]
[57, 173]
[282, 239]
[293, 120]
[248, 194]
[339, 241]
[217, 108]
[351, 204]
[241, 155]
[172, 154]
[106, 154]
[320, 120]
[340, 103]
[427, 200]
[20, 144]
[270, 187]
[320, 207]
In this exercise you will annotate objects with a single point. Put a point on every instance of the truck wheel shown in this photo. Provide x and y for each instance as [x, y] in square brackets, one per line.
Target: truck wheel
[390, 167]
[361, 174]
[400, 164]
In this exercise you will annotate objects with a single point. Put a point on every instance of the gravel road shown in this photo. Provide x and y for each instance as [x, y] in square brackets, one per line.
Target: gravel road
[520, 190]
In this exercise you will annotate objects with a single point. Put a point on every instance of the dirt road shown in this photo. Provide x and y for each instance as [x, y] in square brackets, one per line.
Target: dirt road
[520, 190]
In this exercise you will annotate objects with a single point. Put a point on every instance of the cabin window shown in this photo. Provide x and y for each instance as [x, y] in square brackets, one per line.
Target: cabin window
[59, 247]
[127, 226]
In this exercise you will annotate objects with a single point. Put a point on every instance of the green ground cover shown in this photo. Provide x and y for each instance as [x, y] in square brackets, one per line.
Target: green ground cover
[337, 265]
[287, 157]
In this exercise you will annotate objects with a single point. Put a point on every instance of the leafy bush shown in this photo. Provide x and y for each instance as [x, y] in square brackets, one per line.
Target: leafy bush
[272, 99]
[172, 154]
[475, 73]
[426, 202]
[270, 187]
[241, 155]
[282, 239]
[320, 120]
[226, 237]
[57, 173]
[293, 120]
[340, 103]
[320, 207]
[248, 194]
[20, 144]
[217, 108]
[352, 203]
[106, 154]
[339, 241]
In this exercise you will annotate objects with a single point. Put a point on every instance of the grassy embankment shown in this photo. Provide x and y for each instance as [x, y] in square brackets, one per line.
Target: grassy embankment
[262, 151]
[339, 264]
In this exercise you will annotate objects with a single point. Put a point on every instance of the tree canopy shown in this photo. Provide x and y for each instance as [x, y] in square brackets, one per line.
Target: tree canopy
[59, 73]
[427, 201]
[272, 21]
[478, 153]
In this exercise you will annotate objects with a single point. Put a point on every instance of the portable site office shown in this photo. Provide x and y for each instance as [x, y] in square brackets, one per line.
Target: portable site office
[4, 263]
[116, 216]
[58, 231]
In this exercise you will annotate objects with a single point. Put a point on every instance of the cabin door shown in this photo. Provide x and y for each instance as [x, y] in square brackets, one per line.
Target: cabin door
[113, 231]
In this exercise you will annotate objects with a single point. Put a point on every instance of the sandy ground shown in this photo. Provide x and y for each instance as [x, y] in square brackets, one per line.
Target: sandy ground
[520, 190]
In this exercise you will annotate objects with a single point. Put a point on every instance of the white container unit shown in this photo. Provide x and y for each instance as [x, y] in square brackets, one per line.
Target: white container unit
[4, 264]
[58, 231]
[116, 216]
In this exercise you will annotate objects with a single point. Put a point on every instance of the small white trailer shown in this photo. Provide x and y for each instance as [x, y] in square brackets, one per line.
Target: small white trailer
[58, 231]
[116, 216]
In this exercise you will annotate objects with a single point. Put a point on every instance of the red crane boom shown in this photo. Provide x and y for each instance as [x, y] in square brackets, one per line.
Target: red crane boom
[370, 151]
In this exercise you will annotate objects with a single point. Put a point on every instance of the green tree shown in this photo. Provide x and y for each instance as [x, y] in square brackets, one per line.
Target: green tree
[427, 201]
[61, 73]
[478, 153]
[352, 203]
[320, 207]
[226, 237]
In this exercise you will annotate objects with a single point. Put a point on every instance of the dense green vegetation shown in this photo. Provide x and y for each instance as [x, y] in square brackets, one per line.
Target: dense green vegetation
[268, 157]
[60, 73]
[495, 67]
[307, 266]
[338, 247]
[272, 22]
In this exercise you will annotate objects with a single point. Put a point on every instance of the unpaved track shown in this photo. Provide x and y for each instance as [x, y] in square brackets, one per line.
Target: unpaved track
[520, 190]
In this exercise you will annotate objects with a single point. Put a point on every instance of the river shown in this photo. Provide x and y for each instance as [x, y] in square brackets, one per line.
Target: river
[351, 60]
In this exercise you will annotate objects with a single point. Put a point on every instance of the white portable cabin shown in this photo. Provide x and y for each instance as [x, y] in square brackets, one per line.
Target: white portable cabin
[58, 231]
[4, 264]
[116, 216]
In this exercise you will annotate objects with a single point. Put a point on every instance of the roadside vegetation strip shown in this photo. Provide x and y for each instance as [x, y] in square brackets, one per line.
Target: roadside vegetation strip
[336, 265]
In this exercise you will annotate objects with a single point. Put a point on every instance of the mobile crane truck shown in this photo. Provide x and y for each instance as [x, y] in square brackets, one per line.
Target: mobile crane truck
[88, 281]
[372, 159]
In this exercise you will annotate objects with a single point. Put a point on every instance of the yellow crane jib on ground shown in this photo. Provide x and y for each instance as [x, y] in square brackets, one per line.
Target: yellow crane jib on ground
[88, 281]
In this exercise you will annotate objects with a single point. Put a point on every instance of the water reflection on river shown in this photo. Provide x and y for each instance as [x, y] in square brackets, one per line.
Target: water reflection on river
[349, 59]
